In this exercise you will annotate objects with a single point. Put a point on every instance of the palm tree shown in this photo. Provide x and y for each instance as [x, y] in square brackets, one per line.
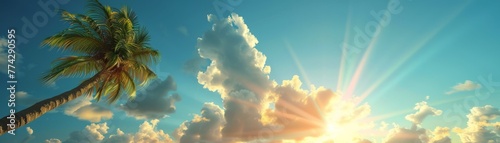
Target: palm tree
[109, 44]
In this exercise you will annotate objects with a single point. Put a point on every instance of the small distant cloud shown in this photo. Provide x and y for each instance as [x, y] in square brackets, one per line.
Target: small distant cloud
[53, 141]
[30, 131]
[22, 94]
[29, 137]
[183, 30]
[423, 110]
[26, 99]
[466, 86]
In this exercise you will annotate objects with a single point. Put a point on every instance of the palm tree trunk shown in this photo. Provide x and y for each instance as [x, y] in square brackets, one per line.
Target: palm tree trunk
[29, 114]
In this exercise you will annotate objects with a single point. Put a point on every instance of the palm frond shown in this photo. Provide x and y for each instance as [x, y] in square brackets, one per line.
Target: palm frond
[73, 41]
[72, 66]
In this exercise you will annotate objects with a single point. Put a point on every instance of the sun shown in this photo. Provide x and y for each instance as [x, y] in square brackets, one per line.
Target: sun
[331, 129]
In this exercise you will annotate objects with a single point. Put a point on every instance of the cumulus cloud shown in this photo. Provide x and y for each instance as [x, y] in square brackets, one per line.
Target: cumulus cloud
[203, 128]
[84, 109]
[253, 103]
[154, 102]
[423, 110]
[466, 86]
[417, 134]
[403, 135]
[147, 133]
[299, 110]
[91, 134]
[237, 71]
[479, 127]
[96, 133]
[53, 141]
[440, 135]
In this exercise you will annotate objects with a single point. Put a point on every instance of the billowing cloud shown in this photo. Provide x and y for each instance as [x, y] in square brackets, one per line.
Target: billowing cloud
[204, 128]
[403, 135]
[466, 86]
[237, 71]
[423, 110]
[256, 105]
[479, 127]
[53, 141]
[147, 133]
[440, 135]
[84, 109]
[154, 102]
[91, 134]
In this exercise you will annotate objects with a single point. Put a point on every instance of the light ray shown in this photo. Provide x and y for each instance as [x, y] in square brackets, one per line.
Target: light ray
[303, 72]
[411, 53]
[344, 52]
[362, 63]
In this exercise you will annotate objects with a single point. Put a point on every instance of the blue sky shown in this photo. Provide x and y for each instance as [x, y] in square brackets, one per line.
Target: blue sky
[441, 53]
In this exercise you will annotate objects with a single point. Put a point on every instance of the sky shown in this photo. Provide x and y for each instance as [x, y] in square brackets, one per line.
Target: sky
[273, 71]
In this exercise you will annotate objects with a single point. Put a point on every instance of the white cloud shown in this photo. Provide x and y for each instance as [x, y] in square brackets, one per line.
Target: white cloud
[417, 134]
[204, 128]
[92, 133]
[423, 110]
[26, 99]
[440, 135]
[154, 103]
[53, 141]
[237, 72]
[147, 133]
[466, 86]
[96, 133]
[84, 109]
[30, 131]
[21, 94]
[404, 135]
[29, 137]
[479, 127]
